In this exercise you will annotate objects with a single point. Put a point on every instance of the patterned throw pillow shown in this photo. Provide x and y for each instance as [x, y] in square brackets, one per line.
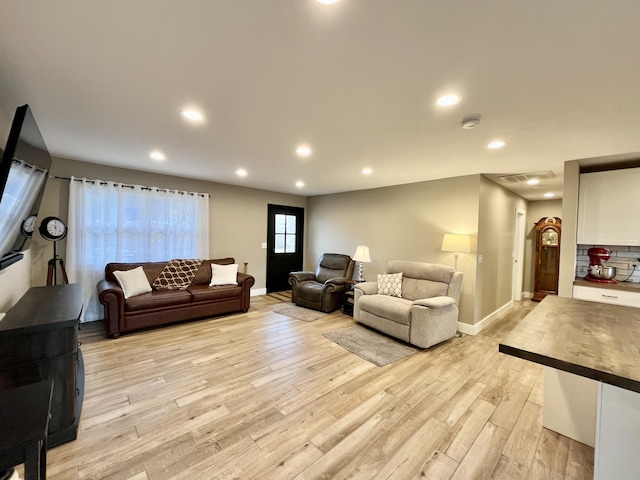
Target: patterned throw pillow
[390, 284]
[177, 274]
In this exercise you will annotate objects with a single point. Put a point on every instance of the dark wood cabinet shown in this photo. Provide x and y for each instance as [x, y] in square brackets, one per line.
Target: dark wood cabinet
[548, 235]
[39, 341]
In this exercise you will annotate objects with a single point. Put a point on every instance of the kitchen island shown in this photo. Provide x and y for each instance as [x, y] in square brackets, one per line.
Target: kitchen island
[591, 352]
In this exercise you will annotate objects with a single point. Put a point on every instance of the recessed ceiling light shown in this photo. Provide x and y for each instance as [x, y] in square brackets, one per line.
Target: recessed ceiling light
[549, 195]
[533, 181]
[327, 2]
[448, 100]
[496, 144]
[299, 184]
[192, 115]
[367, 171]
[157, 155]
[303, 151]
[241, 172]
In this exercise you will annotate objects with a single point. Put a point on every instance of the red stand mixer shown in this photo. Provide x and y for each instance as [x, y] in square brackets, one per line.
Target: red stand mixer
[597, 271]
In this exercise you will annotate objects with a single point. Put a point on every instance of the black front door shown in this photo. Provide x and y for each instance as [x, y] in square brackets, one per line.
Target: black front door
[285, 238]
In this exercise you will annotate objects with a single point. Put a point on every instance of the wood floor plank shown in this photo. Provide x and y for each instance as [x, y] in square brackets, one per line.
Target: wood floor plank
[260, 395]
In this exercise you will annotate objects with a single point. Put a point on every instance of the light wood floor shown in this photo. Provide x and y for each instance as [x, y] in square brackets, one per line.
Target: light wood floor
[264, 396]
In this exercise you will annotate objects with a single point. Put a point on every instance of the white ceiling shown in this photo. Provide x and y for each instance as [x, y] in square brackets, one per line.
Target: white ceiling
[356, 81]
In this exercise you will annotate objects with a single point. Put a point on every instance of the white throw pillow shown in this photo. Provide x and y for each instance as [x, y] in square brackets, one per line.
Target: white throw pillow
[223, 274]
[390, 284]
[133, 282]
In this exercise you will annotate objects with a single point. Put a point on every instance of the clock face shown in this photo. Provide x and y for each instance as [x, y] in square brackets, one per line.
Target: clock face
[52, 228]
[28, 225]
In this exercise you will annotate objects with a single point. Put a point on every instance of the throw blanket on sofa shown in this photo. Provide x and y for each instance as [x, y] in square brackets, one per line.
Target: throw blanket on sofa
[177, 274]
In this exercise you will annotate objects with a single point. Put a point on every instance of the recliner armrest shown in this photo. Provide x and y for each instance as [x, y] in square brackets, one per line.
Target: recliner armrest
[367, 288]
[435, 302]
[295, 277]
[337, 281]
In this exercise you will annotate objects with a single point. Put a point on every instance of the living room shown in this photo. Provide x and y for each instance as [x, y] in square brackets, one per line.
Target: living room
[404, 208]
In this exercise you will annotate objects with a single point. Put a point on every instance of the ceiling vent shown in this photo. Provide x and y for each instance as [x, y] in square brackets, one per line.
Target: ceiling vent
[525, 177]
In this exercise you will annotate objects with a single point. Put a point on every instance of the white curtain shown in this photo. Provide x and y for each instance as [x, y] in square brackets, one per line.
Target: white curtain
[112, 222]
[21, 190]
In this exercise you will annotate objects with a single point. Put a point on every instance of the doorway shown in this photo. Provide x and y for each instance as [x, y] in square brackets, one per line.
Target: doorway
[518, 255]
[285, 241]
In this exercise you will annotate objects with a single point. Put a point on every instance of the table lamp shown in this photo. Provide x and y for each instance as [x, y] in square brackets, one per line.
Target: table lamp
[361, 256]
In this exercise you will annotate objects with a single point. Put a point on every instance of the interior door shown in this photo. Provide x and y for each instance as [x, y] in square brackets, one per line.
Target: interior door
[285, 240]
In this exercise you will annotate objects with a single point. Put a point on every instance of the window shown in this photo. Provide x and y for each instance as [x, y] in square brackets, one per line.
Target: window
[285, 233]
[111, 222]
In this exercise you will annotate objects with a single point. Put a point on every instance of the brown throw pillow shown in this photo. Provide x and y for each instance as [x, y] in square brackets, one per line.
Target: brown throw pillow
[177, 274]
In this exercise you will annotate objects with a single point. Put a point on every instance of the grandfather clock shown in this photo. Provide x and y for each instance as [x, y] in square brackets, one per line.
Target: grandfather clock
[548, 230]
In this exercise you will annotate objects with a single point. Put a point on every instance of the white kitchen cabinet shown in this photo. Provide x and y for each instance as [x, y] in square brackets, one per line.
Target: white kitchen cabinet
[617, 434]
[609, 208]
[607, 295]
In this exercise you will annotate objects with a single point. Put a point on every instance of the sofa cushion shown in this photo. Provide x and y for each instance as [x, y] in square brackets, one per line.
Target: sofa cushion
[392, 308]
[132, 282]
[390, 284]
[177, 274]
[157, 299]
[205, 293]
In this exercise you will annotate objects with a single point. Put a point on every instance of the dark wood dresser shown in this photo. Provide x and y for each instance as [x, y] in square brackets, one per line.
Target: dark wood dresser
[39, 341]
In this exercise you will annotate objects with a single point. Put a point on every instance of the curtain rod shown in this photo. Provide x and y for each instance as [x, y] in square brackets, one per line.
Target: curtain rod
[116, 184]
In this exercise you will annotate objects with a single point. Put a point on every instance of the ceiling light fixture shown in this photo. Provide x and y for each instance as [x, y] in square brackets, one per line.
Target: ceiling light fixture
[533, 181]
[496, 144]
[367, 171]
[157, 155]
[471, 121]
[241, 172]
[303, 151]
[448, 100]
[549, 195]
[192, 115]
[299, 184]
[327, 2]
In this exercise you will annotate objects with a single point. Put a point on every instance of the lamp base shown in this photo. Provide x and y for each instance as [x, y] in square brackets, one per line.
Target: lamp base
[360, 278]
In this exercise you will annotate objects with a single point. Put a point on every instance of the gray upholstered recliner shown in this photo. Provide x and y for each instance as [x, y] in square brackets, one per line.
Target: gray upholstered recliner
[323, 290]
[427, 311]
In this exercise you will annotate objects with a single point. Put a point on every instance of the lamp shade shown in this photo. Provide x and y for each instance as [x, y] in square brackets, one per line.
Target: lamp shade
[362, 254]
[456, 243]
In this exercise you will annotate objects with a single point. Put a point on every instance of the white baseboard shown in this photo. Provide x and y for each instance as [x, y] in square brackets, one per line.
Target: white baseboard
[485, 322]
[527, 294]
[258, 291]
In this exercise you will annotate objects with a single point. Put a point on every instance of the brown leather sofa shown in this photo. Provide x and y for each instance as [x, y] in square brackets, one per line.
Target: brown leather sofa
[324, 289]
[160, 307]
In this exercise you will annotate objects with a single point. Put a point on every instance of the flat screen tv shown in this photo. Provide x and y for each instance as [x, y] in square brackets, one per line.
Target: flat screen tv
[24, 170]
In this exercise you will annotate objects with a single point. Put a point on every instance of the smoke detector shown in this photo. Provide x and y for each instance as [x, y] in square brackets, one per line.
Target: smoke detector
[471, 121]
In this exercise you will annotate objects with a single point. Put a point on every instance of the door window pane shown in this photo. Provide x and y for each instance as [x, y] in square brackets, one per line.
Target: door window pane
[279, 243]
[281, 223]
[291, 224]
[290, 246]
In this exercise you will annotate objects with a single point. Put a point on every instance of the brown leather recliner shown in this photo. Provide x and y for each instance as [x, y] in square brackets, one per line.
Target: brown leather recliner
[323, 290]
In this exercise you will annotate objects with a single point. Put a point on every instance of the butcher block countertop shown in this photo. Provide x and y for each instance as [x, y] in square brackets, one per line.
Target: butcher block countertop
[590, 339]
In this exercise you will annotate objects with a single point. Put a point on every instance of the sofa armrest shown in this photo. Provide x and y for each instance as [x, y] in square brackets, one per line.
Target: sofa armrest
[112, 297]
[295, 277]
[435, 302]
[245, 281]
[366, 288]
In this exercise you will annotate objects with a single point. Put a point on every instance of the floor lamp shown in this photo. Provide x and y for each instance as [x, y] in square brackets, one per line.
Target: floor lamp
[456, 243]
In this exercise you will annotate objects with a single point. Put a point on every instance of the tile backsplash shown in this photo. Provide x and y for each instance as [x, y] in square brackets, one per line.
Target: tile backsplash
[623, 258]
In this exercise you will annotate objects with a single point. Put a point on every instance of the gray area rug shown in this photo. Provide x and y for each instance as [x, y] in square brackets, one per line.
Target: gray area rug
[373, 347]
[300, 313]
